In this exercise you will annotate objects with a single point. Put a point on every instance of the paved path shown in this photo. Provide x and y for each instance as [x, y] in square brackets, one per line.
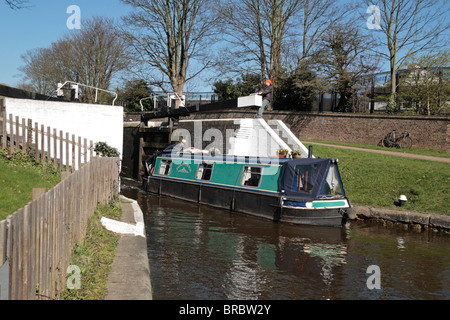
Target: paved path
[129, 278]
[391, 153]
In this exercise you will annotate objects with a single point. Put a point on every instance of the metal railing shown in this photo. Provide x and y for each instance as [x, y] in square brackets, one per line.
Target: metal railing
[187, 99]
[75, 86]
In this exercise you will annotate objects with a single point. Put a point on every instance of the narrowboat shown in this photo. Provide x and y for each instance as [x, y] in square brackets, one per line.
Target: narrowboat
[301, 191]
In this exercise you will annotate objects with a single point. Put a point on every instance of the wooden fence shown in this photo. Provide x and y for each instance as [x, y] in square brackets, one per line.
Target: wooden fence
[38, 239]
[64, 150]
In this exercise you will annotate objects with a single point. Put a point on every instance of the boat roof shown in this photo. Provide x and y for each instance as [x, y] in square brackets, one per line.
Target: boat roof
[246, 159]
[228, 158]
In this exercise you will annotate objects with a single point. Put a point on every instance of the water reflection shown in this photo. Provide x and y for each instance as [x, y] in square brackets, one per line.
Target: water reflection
[197, 252]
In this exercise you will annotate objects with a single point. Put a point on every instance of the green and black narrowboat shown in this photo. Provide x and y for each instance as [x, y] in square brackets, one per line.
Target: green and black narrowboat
[301, 191]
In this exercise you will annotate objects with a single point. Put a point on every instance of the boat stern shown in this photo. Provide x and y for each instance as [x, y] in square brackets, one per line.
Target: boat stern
[333, 212]
[312, 192]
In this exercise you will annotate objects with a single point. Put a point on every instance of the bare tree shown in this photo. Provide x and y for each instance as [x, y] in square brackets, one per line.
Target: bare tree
[242, 26]
[345, 57]
[97, 54]
[38, 71]
[258, 31]
[167, 36]
[409, 27]
[16, 4]
[91, 56]
[278, 14]
[317, 16]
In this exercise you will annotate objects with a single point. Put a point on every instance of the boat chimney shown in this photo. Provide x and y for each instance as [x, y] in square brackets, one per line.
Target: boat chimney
[310, 155]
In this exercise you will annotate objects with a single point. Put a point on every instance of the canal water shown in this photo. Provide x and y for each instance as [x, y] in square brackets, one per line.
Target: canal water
[200, 253]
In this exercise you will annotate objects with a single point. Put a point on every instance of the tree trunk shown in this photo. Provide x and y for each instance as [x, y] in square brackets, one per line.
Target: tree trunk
[393, 78]
[178, 87]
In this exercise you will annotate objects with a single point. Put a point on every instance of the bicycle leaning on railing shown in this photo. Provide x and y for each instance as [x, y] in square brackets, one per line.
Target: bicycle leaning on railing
[392, 140]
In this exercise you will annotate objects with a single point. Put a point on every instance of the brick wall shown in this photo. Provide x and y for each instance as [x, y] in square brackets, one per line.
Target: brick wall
[428, 132]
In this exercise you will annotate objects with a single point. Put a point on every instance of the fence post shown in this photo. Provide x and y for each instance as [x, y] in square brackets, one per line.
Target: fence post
[3, 243]
[36, 141]
[26, 263]
[85, 151]
[73, 153]
[55, 151]
[42, 144]
[67, 152]
[24, 137]
[49, 154]
[11, 134]
[52, 242]
[45, 252]
[17, 135]
[61, 144]
[15, 276]
[29, 134]
[33, 249]
[4, 131]
[4, 263]
[79, 152]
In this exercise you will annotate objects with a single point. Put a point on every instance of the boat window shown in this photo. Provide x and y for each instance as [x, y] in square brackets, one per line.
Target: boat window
[332, 185]
[204, 171]
[164, 168]
[251, 176]
[305, 177]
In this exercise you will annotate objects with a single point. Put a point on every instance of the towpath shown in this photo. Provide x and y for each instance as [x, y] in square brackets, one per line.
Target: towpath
[391, 153]
[129, 278]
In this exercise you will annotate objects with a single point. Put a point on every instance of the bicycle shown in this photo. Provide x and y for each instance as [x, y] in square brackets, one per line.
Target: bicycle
[391, 140]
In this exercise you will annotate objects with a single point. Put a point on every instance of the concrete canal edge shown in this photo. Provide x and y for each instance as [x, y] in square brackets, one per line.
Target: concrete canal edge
[414, 219]
[129, 278]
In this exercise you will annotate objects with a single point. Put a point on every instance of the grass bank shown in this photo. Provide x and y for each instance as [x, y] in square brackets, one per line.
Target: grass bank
[377, 180]
[95, 255]
[18, 176]
[424, 152]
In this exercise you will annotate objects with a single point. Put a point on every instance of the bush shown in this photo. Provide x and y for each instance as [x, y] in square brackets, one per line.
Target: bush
[104, 150]
[392, 106]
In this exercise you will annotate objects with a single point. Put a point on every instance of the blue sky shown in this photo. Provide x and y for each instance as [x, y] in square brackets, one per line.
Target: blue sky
[44, 22]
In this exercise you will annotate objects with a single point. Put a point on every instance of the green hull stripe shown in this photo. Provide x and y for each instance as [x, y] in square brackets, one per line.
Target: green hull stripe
[329, 204]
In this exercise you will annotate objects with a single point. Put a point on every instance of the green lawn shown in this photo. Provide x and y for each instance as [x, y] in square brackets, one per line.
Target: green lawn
[425, 152]
[17, 180]
[377, 180]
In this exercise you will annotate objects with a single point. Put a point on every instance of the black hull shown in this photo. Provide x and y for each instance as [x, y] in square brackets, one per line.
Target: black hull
[242, 201]
[316, 217]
